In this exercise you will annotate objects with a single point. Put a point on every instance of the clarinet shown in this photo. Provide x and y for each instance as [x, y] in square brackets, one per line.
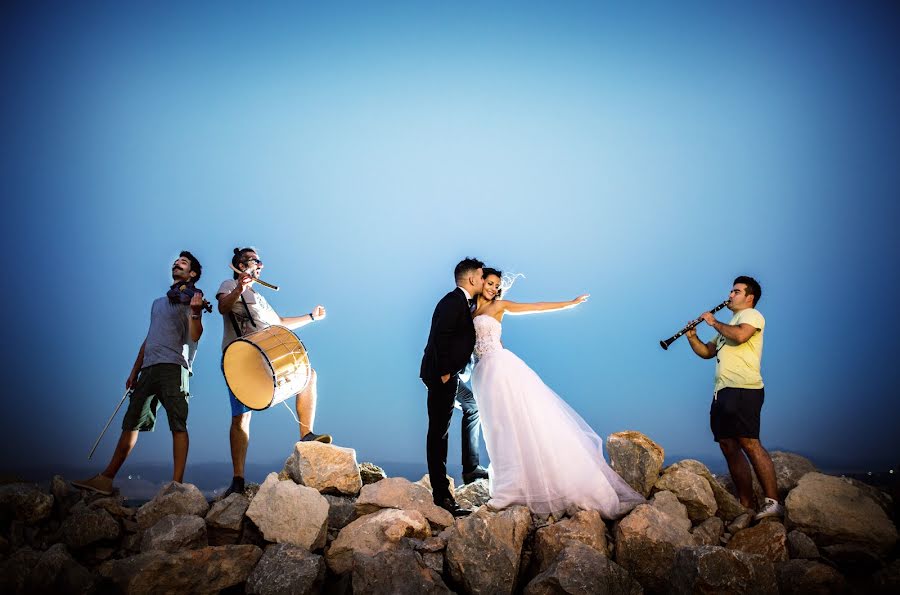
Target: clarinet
[665, 344]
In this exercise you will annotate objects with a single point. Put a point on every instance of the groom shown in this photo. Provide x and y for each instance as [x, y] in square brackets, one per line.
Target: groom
[450, 345]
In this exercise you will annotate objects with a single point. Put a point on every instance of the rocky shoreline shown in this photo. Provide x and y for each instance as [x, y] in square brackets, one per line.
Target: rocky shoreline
[325, 524]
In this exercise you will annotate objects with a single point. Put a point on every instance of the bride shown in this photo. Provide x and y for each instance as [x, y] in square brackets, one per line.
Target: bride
[543, 455]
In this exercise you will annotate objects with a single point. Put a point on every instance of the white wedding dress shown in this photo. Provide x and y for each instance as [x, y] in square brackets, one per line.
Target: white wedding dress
[543, 455]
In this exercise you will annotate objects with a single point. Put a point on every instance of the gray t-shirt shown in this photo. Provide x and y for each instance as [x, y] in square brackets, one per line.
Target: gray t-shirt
[169, 338]
[262, 313]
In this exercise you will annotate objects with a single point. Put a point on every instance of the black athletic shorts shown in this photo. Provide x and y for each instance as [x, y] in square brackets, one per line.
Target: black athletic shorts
[734, 413]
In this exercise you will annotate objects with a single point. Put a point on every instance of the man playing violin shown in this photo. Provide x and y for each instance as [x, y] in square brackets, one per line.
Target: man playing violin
[161, 372]
[245, 311]
[738, 394]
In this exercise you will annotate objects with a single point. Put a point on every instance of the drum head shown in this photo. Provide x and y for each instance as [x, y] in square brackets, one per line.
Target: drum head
[248, 374]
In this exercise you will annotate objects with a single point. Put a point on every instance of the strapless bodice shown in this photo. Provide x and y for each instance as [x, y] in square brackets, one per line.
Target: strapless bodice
[487, 335]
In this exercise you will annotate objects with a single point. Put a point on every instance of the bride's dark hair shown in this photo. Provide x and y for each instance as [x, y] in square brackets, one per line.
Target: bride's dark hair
[488, 271]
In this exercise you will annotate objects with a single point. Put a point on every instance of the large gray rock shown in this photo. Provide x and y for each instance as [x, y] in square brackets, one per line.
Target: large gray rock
[668, 503]
[26, 502]
[805, 577]
[228, 513]
[692, 490]
[371, 473]
[341, 511]
[484, 549]
[398, 571]
[398, 492]
[832, 511]
[586, 527]
[647, 541]
[710, 569]
[882, 498]
[286, 512]
[582, 570]
[286, 568]
[709, 532]
[728, 507]
[768, 539]
[789, 470]
[472, 495]
[324, 467]
[58, 572]
[801, 546]
[207, 570]
[86, 526]
[374, 533]
[172, 498]
[175, 532]
[636, 458]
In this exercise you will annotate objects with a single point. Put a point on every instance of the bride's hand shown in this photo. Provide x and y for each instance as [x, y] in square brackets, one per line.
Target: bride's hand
[581, 299]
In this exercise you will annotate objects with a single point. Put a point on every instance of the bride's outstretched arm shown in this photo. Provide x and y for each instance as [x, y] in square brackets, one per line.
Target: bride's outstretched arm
[536, 307]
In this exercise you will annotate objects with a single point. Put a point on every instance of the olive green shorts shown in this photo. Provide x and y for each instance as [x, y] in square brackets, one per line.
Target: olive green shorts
[165, 384]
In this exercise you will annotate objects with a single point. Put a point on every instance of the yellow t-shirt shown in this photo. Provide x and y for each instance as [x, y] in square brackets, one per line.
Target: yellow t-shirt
[737, 366]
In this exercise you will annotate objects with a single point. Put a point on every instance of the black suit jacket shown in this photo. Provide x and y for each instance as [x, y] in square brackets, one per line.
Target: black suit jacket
[452, 337]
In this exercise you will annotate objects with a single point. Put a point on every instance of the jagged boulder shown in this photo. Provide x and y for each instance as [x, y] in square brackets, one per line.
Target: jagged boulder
[57, 572]
[341, 510]
[586, 527]
[426, 483]
[286, 512]
[86, 526]
[710, 569]
[373, 533]
[805, 576]
[115, 506]
[740, 523]
[472, 495]
[172, 498]
[880, 497]
[768, 539]
[647, 541]
[692, 490]
[26, 502]
[398, 571]
[801, 546]
[371, 473]
[206, 570]
[484, 549]
[636, 458]
[175, 532]
[225, 518]
[287, 568]
[324, 467]
[832, 511]
[728, 507]
[582, 570]
[397, 492]
[668, 503]
[789, 470]
[709, 532]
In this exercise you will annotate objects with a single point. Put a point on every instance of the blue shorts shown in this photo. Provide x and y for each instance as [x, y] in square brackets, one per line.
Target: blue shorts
[237, 408]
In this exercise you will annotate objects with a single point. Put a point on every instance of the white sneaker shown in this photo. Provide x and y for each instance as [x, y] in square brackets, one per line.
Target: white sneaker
[770, 508]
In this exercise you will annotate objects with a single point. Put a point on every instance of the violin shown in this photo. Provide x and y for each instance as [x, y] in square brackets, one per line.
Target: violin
[182, 293]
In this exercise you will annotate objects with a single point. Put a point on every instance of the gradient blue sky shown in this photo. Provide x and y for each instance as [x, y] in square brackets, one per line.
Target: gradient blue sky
[645, 154]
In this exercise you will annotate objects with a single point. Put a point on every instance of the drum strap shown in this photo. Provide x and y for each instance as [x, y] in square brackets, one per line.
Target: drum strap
[247, 310]
[237, 329]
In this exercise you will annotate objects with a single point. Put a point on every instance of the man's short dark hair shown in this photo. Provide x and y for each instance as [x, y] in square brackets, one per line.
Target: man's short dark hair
[466, 266]
[195, 264]
[239, 258]
[753, 288]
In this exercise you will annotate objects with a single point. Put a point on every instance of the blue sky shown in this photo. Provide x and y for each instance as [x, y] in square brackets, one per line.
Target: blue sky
[646, 155]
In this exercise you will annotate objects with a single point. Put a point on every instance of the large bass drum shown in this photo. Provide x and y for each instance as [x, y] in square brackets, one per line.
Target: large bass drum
[266, 367]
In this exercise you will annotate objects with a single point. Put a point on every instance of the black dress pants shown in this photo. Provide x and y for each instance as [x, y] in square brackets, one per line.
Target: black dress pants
[440, 410]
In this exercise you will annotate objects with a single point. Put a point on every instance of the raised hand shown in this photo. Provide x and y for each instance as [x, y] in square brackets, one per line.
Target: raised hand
[581, 299]
[319, 312]
[197, 303]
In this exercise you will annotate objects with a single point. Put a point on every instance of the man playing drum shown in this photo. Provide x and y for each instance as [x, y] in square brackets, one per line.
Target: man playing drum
[160, 373]
[245, 311]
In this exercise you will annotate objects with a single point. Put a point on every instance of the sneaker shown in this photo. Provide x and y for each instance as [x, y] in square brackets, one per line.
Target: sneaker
[770, 508]
[236, 487]
[311, 437]
[98, 483]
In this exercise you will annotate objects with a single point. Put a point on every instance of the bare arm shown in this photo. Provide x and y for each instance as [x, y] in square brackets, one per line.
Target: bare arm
[293, 322]
[704, 350]
[136, 369]
[536, 307]
[227, 300]
[740, 333]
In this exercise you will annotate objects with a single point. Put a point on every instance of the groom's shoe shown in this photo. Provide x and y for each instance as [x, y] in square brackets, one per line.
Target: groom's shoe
[478, 472]
[450, 505]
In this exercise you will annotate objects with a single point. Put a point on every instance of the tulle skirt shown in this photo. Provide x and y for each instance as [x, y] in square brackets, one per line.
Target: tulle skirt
[543, 454]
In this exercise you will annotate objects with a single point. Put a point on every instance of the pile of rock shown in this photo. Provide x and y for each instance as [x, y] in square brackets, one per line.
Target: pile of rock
[327, 523]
